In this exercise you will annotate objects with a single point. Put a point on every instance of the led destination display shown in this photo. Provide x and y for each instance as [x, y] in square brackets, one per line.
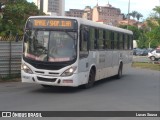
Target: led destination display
[51, 23]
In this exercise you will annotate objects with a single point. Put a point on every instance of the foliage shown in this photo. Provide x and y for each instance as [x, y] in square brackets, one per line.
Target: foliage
[142, 40]
[15, 14]
[157, 9]
[133, 14]
[153, 23]
[135, 30]
[136, 15]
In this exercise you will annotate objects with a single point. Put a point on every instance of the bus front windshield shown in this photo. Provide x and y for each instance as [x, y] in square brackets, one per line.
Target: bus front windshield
[50, 46]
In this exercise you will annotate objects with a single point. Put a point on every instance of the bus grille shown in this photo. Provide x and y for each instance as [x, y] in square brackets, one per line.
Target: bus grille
[47, 79]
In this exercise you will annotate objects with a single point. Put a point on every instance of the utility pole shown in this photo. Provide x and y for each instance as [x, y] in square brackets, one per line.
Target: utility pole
[159, 6]
[128, 13]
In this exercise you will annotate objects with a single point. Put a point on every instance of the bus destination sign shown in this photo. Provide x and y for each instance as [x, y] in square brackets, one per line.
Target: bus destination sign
[52, 23]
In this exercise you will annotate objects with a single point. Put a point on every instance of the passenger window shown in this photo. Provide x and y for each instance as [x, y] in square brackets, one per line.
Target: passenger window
[96, 39]
[125, 42]
[108, 39]
[100, 39]
[128, 42]
[84, 38]
[112, 40]
[121, 41]
[92, 38]
[115, 40]
[104, 40]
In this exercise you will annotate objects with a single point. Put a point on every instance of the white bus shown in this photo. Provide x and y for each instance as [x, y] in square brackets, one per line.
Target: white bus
[67, 51]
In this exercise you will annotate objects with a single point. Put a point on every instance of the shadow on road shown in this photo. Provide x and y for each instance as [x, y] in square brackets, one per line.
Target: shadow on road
[57, 89]
[108, 80]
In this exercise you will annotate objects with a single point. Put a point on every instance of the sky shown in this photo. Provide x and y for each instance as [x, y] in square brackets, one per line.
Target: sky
[142, 6]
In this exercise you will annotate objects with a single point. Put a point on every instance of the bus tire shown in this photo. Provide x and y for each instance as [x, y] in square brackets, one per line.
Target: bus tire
[119, 75]
[91, 79]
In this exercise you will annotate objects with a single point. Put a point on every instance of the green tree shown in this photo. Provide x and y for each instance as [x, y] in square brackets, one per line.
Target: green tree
[153, 37]
[153, 22]
[157, 10]
[138, 16]
[133, 14]
[15, 15]
[135, 30]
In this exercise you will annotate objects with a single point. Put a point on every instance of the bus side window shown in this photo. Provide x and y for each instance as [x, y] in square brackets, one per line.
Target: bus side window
[84, 38]
[115, 40]
[131, 41]
[123, 40]
[108, 39]
[104, 40]
[112, 40]
[84, 41]
[101, 40]
[126, 42]
[91, 38]
[96, 38]
[120, 41]
[118, 37]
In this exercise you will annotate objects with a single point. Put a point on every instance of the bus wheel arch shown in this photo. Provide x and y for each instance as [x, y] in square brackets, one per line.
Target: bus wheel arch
[120, 69]
[91, 78]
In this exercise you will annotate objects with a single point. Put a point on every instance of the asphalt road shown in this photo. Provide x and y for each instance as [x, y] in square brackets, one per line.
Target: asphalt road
[138, 90]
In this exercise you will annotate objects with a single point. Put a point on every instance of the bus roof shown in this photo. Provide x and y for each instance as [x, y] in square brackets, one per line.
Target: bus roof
[89, 23]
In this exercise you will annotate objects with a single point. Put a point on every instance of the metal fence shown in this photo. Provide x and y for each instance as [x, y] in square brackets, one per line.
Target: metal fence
[10, 58]
[11, 38]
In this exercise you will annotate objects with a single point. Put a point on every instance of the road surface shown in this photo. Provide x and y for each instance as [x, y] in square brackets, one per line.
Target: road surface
[138, 90]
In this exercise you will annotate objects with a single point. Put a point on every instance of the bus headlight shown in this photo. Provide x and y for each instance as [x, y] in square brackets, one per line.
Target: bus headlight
[69, 71]
[26, 69]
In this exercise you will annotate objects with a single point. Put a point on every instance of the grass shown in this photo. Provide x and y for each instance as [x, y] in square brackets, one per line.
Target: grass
[150, 66]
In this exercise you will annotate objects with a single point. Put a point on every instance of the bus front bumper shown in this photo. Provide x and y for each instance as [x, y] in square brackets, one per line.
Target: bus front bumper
[50, 80]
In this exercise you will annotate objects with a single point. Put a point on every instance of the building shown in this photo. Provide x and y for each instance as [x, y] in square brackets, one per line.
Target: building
[87, 14]
[102, 14]
[51, 7]
[107, 14]
[74, 13]
[131, 22]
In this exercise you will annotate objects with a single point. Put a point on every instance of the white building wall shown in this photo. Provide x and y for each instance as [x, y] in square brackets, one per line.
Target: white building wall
[45, 7]
[60, 8]
[37, 3]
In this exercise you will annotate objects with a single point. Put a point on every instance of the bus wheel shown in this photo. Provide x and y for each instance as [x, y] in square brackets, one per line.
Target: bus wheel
[119, 75]
[91, 79]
